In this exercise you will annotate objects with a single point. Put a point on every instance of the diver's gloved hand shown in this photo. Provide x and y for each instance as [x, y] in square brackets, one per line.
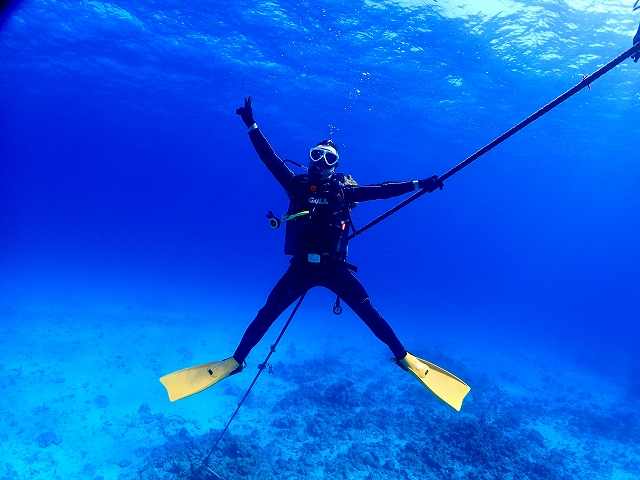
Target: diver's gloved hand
[246, 113]
[430, 184]
[636, 39]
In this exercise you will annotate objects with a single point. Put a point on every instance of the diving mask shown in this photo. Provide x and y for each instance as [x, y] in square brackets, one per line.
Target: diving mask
[317, 154]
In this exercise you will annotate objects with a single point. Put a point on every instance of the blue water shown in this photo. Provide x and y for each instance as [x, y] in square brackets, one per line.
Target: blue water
[132, 212]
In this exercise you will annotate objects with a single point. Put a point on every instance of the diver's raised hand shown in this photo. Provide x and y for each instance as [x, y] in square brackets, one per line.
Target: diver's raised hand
[246, 113]
[430, 184]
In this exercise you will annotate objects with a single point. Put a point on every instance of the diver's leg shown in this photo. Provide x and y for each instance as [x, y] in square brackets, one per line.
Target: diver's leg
[294, 282]
[343, 283]
[190, 381]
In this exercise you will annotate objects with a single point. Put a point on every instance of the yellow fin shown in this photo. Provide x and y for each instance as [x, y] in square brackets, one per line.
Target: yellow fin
[443, 384]
[192, 380]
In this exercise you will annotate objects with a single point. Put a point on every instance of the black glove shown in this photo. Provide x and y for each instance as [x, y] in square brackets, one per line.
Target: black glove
[636, 39]
[430, 184]
[246, 113]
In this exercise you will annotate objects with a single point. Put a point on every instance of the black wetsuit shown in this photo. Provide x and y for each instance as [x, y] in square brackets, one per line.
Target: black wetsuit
[317, 240]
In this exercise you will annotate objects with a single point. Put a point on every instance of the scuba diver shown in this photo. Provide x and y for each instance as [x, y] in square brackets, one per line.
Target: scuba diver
[318, 222]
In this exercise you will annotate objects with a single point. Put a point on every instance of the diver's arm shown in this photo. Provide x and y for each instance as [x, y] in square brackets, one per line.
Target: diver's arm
[278, 169]
[363, 193]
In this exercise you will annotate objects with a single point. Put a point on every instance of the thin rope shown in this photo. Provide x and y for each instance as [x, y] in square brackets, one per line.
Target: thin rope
[585, 83]
[261, 368]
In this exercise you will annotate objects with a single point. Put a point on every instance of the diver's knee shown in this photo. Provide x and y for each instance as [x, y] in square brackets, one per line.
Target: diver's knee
[366, 308]
[271, 310]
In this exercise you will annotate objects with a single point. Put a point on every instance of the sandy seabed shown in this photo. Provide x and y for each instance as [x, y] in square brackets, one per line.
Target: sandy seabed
[80, 398]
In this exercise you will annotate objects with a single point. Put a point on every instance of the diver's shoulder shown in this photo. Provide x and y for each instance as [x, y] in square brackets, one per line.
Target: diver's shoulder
[300, 178]
[344, 180]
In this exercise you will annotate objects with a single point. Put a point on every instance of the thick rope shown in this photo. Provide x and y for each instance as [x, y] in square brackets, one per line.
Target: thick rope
[261, 368]
[586, 82]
